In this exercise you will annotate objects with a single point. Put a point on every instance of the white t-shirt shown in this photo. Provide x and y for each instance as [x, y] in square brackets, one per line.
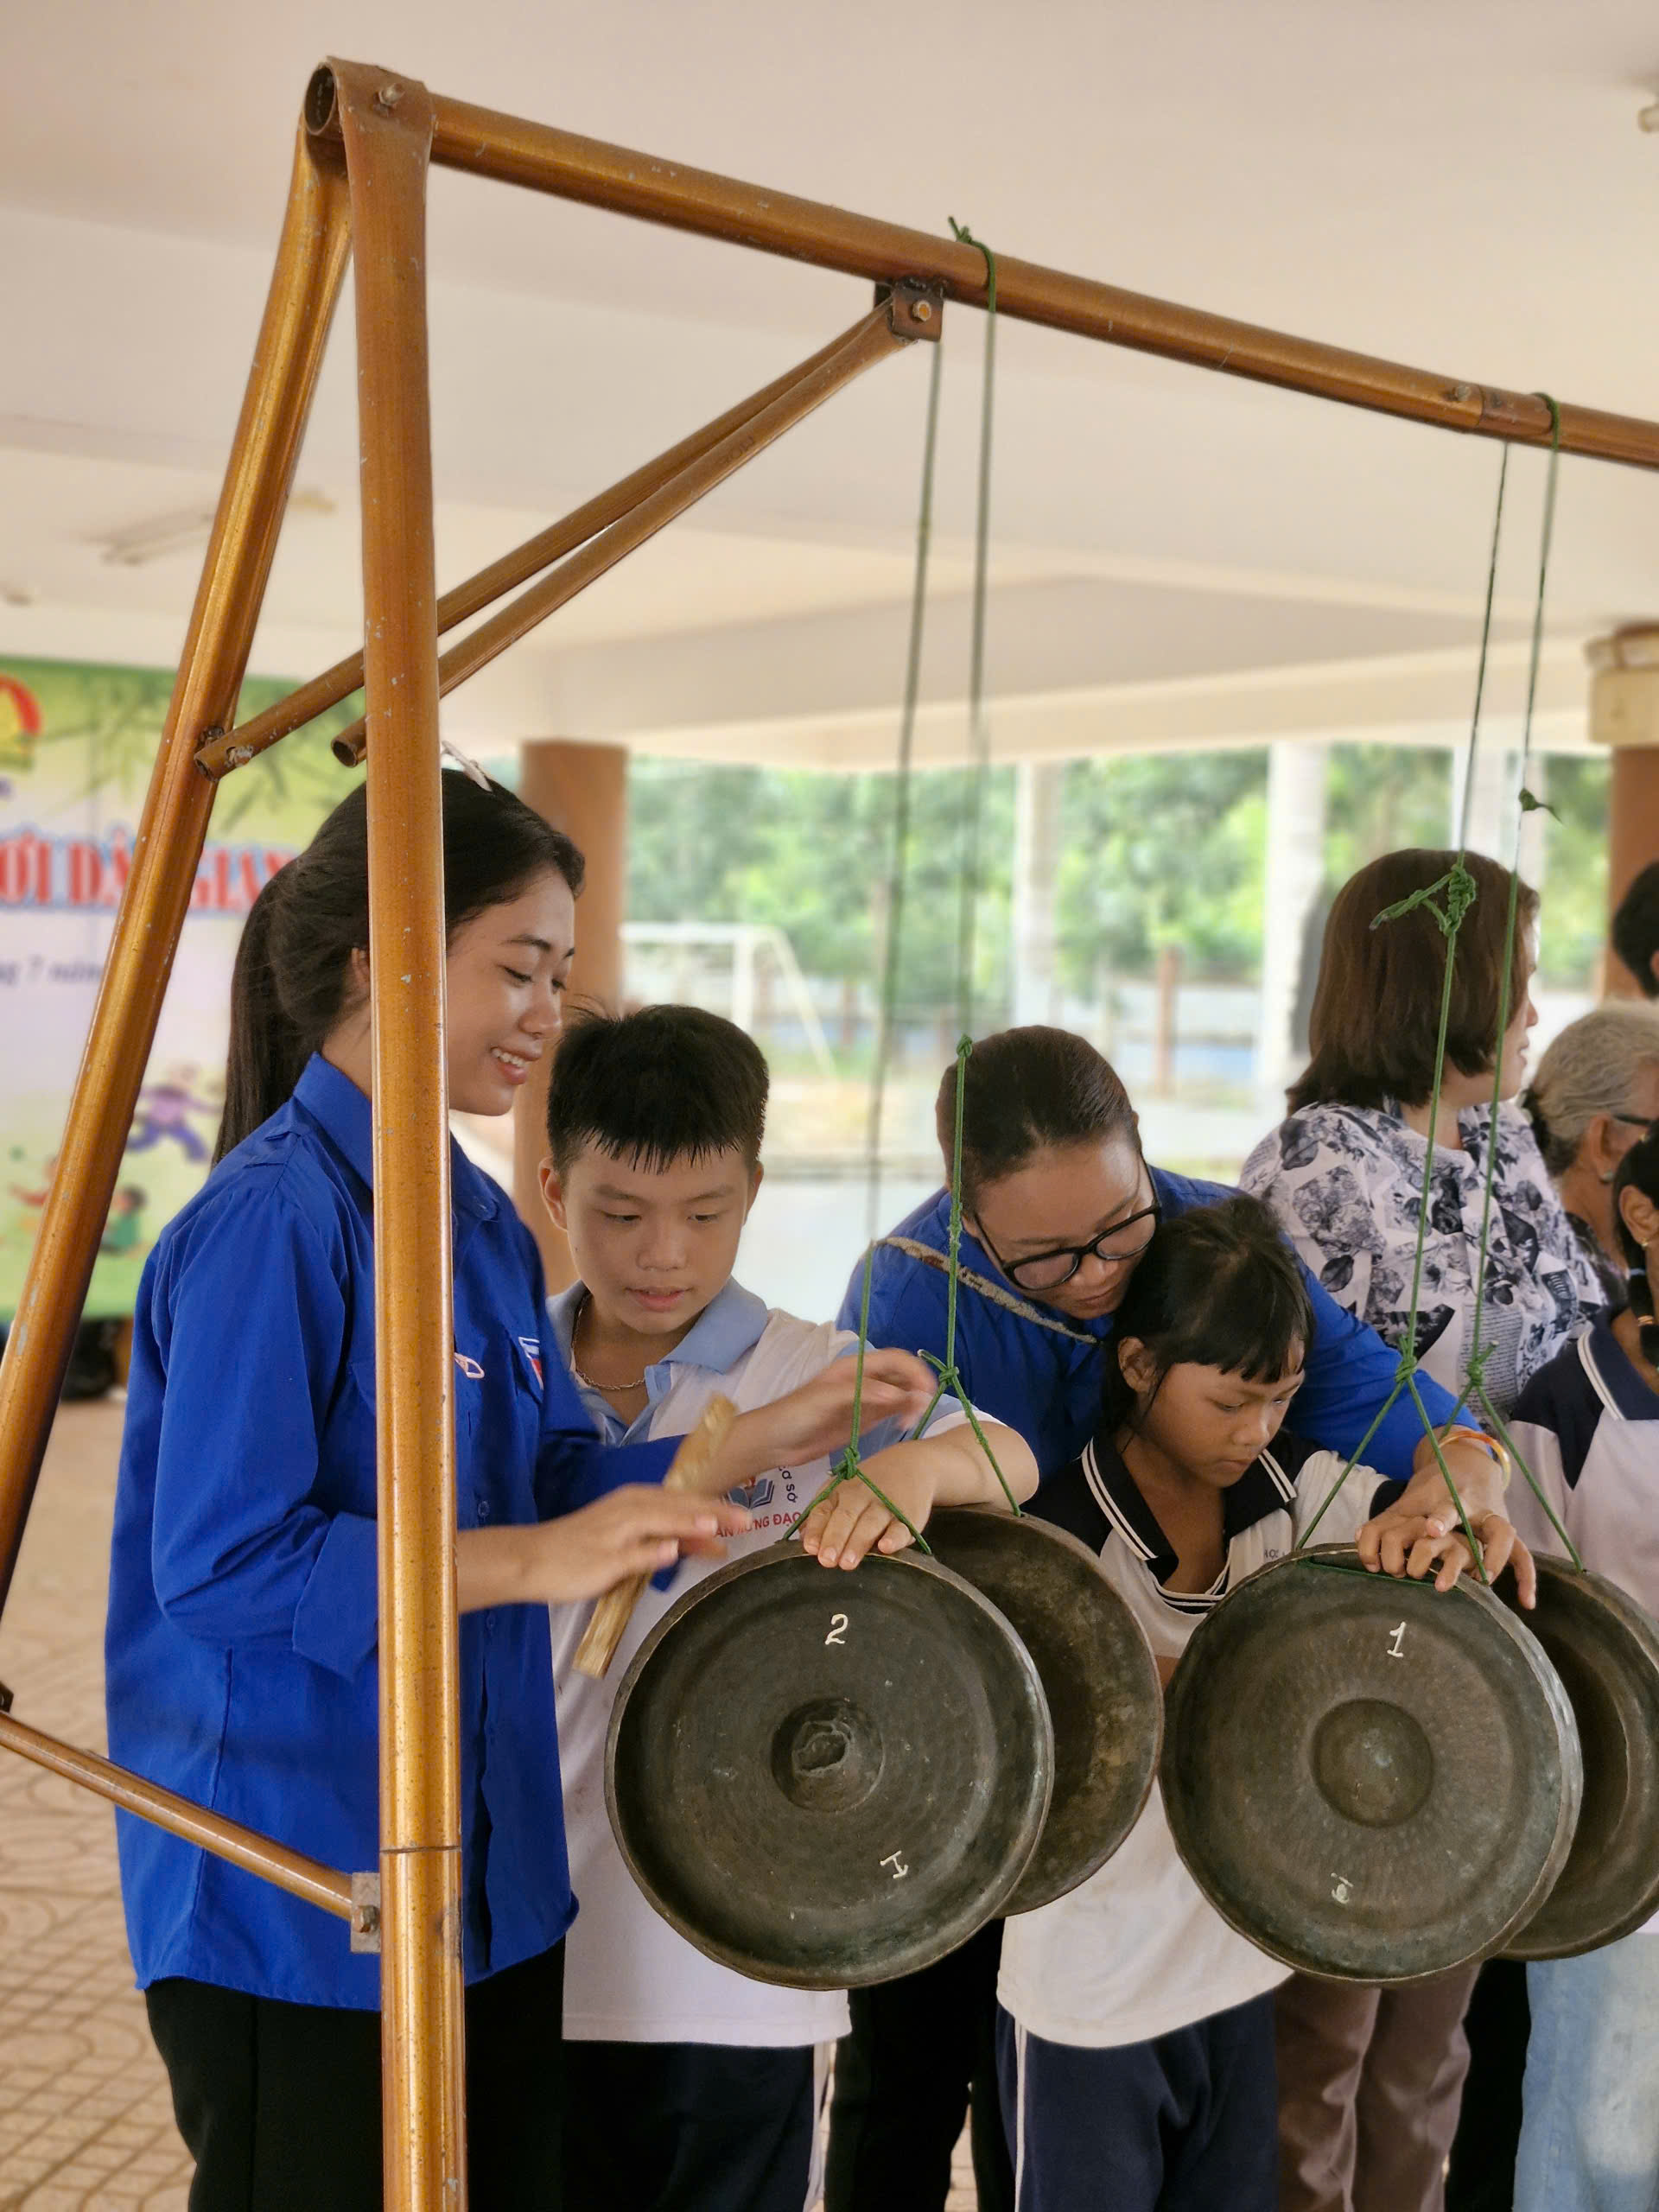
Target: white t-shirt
[1137, 1950]
[1587, 1427]
[628, 1976]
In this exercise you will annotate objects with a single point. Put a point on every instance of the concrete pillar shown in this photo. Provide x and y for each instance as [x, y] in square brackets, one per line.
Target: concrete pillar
[1293, 879]
[1037, 789]
[1625, 715]
[583, 790]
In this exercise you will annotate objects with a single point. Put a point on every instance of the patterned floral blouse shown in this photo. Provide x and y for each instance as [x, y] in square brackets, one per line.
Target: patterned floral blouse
[1346, 1182]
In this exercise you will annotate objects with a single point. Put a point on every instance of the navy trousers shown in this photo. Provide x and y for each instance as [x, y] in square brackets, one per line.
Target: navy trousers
[1185, 2123]
[687, 2127]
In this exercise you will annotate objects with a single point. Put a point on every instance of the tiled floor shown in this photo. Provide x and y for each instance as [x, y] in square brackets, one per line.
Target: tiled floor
[84, 2120]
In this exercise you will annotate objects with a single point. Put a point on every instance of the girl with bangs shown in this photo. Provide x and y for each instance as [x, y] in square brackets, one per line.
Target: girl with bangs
[1135, 2029]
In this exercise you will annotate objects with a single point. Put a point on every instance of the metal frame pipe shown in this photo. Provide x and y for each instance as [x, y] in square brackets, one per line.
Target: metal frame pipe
[543, 159]
[230, 749]
[387, 128]
[870, 340]
[323, 1886]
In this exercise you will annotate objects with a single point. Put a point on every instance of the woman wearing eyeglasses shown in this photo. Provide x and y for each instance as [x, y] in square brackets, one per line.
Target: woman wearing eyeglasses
[1058, 1203]
[1371, 2080]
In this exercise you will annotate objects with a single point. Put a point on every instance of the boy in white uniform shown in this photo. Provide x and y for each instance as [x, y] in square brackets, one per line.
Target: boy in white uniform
[690, 2088]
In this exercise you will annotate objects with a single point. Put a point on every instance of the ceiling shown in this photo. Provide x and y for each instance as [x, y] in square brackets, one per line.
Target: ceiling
[1179, 556]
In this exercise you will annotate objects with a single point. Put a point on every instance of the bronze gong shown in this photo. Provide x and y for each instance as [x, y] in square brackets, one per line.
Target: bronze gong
[1605, 1650]
[1097, 1673]
[1372, 1780]
[826, 1779]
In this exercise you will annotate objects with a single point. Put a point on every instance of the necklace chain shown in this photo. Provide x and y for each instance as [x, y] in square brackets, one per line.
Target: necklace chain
[604, 1388]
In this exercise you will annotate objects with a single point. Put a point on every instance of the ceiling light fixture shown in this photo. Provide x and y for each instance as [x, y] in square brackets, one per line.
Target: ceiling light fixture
[156, 536]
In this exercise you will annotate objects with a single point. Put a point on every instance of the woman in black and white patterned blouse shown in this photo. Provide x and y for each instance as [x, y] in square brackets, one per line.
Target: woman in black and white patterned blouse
[1371, 2080]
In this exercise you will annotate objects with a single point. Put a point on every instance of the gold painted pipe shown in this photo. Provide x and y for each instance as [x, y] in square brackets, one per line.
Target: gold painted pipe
[304, 286]
[870, 340]
[544, 159]
[387, 131]
[323, 1886]
[234, 748]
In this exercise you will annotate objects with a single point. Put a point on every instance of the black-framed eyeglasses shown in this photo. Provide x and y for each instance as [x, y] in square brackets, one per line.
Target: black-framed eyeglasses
[1124, 1240]
[1636, 1121]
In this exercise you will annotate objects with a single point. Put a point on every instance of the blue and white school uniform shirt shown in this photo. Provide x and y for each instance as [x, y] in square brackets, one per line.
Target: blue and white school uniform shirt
[628, 1976]
[1137, 1950]
[1588, 1425]
[241, 1663]
[1040, 1371]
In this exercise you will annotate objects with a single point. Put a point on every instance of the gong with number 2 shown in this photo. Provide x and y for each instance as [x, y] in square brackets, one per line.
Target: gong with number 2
[1098, 1674]
[826, 1779]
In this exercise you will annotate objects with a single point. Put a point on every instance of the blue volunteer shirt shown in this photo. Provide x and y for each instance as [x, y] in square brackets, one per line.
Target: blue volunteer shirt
[240, 1654]
[1039, 1370]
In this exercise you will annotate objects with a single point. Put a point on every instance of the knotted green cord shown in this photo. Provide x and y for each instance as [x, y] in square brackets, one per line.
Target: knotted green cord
[979, 732]
[1461, 893]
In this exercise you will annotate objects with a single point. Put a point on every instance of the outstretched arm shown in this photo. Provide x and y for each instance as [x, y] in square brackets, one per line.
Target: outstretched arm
[946, 1468]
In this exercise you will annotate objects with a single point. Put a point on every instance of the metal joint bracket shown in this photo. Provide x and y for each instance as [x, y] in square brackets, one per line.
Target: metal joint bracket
[366, 1912]
[915, 306]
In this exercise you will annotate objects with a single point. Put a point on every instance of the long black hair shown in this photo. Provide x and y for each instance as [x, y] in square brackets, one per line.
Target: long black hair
[1219, 1286]
[1639, 1170]
[292, 979]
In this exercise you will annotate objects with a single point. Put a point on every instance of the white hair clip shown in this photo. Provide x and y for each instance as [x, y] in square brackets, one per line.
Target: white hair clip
[462, 761]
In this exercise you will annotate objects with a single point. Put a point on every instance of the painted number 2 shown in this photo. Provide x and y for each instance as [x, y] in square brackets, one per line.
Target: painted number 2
[1394, 1649]
[837, 1629]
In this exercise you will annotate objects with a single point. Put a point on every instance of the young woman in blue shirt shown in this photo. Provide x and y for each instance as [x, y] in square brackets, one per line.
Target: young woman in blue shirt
[241, 1650]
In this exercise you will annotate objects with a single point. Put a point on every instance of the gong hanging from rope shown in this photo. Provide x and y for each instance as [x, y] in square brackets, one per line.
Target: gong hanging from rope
[1605, 1650]
[1372, 1780]
[825, 1779]
[1098, 1675]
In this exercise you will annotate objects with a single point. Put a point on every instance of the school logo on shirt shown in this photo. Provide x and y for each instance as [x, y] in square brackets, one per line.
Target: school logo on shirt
[531, 1348]
[754, 1494]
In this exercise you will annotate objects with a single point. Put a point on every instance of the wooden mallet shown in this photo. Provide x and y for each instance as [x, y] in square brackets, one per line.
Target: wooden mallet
[691, 1470]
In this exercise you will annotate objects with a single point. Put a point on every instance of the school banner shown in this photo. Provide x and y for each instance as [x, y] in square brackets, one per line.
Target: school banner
[77, 745]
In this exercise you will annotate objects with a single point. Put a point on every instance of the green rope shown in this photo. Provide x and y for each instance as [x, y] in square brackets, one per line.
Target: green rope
[1480, 1351]
[897, 868]
[979, 732]
[849, 1468]
[1460, 891]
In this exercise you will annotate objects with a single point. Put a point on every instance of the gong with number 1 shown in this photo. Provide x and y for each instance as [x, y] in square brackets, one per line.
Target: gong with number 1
[823, 1778]
[1372, 1779]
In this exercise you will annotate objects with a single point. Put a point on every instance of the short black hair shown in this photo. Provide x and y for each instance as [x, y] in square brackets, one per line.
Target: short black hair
[668, 1083]
[1635, 930]
[1217, 1286]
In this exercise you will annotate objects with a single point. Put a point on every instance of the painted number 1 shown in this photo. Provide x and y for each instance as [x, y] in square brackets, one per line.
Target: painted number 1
[1394, 1650]
[837, 1629]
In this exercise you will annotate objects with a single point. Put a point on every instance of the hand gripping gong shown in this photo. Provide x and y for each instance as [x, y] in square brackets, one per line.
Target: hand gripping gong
[1372, 1780]
[1606, 1649]
[1098, 1674]
[826, 1779]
